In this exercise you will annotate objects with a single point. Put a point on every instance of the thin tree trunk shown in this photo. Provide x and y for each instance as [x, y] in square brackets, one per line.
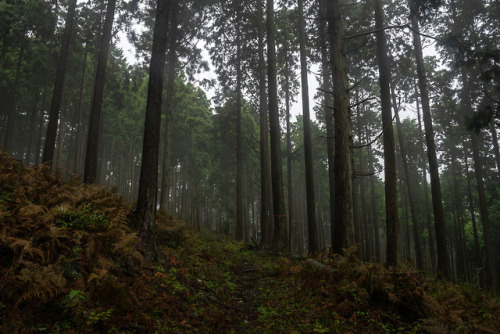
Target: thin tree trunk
[344, 193]
[478, 262]
[60, 137]
[373, 196]
[328, 110]
[32, 127]
[437, 203]
[76, 165]
[391, 195]
[50, 138]
[409, 185]
[170, 91]
[428, 218]
[291, 204]
[494, 138]
[10, 116]
[280, 235]
[240, 218]
[308, 155]
[145, 211]
[91, 155]
[483, 205]
[362, 192]
[265, 173]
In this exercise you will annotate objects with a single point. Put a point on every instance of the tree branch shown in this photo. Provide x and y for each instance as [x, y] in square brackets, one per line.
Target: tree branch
[362, 101]
[401, 26]
[376, 138]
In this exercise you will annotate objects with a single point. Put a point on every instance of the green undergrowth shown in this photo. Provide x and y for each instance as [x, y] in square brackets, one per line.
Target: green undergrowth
[70, 264]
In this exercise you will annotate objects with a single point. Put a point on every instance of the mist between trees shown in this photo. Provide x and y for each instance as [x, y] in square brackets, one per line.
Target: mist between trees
[420, 189]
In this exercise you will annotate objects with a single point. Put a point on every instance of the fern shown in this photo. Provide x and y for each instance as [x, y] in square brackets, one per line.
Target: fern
[24, 247]
[39, 282]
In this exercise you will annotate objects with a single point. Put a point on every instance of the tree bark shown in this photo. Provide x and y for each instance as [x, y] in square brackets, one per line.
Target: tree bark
[77, 163]
[494, 138]
[483, 205]
[409, 185]
[328, 111]
[145, 211]
[265, 173]
[289, 167]
[10, 116]
[50, 138]
[280, 233]
[344, 192]
[308, 155]
[90, 170]
[428, 218]
[391, 195]
[478, 259]
[373, 196]
[437, 204]
[170, 91]
[32, 127]
[240, 217]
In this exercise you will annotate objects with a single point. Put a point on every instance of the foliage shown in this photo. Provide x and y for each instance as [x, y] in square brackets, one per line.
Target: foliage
[76, 279]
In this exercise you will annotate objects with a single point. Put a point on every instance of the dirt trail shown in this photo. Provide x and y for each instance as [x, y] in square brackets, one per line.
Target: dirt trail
[247, 295]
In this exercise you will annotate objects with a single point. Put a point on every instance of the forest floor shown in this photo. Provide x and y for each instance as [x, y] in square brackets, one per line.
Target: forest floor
[70, 264]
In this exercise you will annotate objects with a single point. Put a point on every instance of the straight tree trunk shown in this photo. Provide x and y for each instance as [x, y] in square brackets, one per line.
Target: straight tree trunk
[76, 165]
[90, 169]
[308, 155]
[373, 196]
[343, 231]
[437, 203]
[391, 195]
[328, 111]
[280, 233]
[478, 259]
[265, 173]
[291, 202]
[362, 185]
[494, 138]
[483, 205]
[170, 91]
[10, 116]
[32, 127]
[60, 138]
[55, 106]
[428, 218]
[144, 215]
[409, 185]
[240, 217]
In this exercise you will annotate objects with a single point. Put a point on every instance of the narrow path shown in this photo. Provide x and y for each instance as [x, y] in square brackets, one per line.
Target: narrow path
[245, 301]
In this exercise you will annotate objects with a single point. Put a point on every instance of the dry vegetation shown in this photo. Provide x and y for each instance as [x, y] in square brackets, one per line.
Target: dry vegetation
[70, 264]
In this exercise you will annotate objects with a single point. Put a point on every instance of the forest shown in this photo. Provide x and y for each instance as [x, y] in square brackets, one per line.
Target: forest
[333, 130]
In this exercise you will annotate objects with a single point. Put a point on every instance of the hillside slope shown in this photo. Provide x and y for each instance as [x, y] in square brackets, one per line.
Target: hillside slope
[70, 264]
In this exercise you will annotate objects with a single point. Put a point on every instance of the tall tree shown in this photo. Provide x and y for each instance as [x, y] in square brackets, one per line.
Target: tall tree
[55, 106]
[265, 182]
[328, 108]
[478, 167]
[428, 218]
[343, 229]
[91, 158]
[169, 108]
[391, 196]
[437, 205]
[144, 214]
[409, 185]
[240, 217]
[311, 201]
[280, 225]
